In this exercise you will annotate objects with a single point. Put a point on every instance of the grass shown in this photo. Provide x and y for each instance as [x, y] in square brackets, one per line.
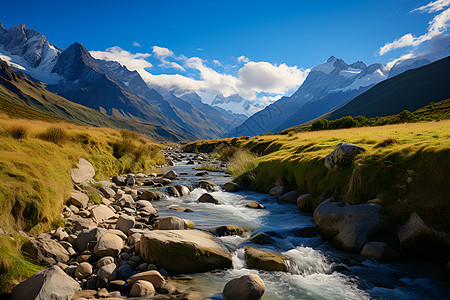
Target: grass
[35, 174]
[393, 153]
[211, 168]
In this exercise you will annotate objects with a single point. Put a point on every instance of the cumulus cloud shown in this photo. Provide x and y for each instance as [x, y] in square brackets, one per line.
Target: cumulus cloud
[242, 58]
[437, 26]
[218, 63]
[136, 44]
[161, 52]
[125, 58]
[253, 80]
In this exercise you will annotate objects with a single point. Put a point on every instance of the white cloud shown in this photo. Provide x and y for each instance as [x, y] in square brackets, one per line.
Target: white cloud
[390, 64]
[170, 64]
[437, 26]
[433, 6]
[242, 58]
[217, 63]
[136, 44]
[162, 52]
[131, 61]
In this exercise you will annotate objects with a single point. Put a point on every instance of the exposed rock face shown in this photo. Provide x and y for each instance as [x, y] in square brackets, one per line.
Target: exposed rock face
[184, 251]
[52, 283]
[289, 197]
[230, 187]
[79, 199]
[170, 223]
[208, 198]
[247, 287]
[84, 172]
[418, 236]
[46, 252]
[264, 260]
[342, 156]
[109, 245]
[349, 226]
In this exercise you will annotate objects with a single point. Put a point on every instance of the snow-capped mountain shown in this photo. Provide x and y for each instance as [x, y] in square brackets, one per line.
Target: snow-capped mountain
[29, 51]
[327, 86]
[238, 105]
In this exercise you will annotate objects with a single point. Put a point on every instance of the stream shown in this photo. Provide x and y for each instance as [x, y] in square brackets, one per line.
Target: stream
[316, 269]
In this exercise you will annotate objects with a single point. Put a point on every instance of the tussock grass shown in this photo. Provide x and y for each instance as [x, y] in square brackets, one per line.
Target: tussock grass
[242, 165]
[16, 132]
[35, 172]
[211, 168]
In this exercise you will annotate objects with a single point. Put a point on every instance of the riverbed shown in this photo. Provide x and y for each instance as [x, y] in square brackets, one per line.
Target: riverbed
[316, 269]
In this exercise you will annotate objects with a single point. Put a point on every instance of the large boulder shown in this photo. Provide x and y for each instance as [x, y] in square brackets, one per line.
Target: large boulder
[277, 191]
[304, 203]
[208, 198]
[83, 270]
[84, 172]
[79, 199]
[171, 223]
[289, 197]
[184, 251]
[102, 213]
[45, 251]
[170, 175]
[247, 287]
[142, 288]
[152, 195]
[349, 227]
[226, 230]
[109, 245]
[418, 236]
[379, 251]
[152, 276]
[255, 205]
[183, 190]
[264, 260]
[119, 180]
[107, 192]
[172, 191]
[230, 187]
[52, 283]
[86, 236]
[342, 156]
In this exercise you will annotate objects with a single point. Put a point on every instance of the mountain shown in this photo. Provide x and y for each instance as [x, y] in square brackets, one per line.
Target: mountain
[410, 90]
[103, 85]
[237, 104]
[327, 86]
[22, 98]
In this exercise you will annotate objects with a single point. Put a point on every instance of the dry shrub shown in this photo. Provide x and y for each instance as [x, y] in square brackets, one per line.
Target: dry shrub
[16, 132]
[55, 135]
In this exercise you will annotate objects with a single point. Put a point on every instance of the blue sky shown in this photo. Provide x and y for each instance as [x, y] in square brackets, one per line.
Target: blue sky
[298, 34]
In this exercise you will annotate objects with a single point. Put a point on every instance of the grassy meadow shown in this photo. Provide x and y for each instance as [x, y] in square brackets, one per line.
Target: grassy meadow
[394, 153]
[35, 162]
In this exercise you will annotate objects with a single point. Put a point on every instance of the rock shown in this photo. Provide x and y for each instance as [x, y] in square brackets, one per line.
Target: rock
[79, 199]
[188, 224]
[124, 272]
[46, 252]
[183, 190]
[108, 245]
[125, 223]
[106, 260]
[180, 208]
[151, 196]
[277, 191]
[107, 272]
[201, 174]
[84, 172]
[163, 181]
[107, 192]
[147, 211]
[173, 192]
[170, 175]
[116, 285]
[86, 236]
[208, 198]
[304, 203]
[342, 156]
[170, 223]
[226, 230]
[379, 251]
[60, 234]
[209, 186]
[119, 180]
[103, 293]
[80, 223]
[264, 260]
[142, 288]
[419, 237]
[152, 276]
[349, 227]
[184, 251]
[83, 270]
[261, 238]
[247, 287]
[118, 232]
[289, 197]
[52, 283]
[230, 187]
[84, 294]
[102, 213]
[125, 200]
[255, 205]
[130, 181]
[143, 203]
[307, 232]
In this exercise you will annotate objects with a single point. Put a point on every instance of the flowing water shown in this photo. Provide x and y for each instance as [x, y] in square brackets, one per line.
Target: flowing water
[316, 269]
